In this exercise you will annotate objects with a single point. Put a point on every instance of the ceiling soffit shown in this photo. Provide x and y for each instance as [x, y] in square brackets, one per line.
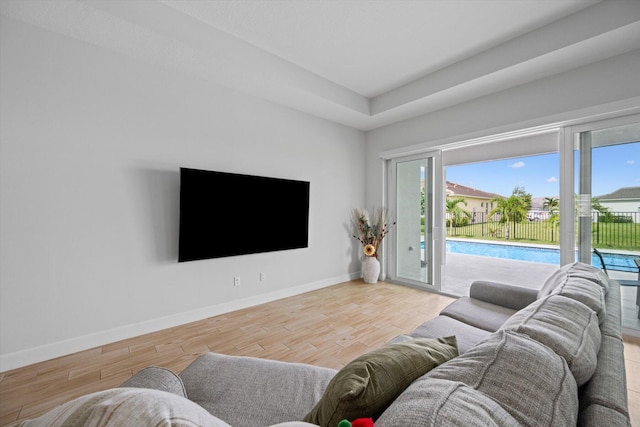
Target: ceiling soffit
[157, 33]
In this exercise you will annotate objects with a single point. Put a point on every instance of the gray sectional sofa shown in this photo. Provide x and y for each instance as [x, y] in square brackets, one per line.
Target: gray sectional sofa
[552, 357]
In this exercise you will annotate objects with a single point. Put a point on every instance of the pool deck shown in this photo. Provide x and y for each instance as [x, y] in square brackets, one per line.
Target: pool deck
[461, 270]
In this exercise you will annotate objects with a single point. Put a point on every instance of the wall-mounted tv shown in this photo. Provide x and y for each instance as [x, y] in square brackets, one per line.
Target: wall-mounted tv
[226, 214]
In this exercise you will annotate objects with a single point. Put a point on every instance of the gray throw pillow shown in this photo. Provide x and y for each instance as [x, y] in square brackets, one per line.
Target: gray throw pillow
[366, 386]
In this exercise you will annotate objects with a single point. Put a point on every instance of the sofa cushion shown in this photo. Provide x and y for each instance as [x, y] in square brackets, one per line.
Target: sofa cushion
[481, 314]
[368, 384]
[580, 282]
[466, 335]
[432, 402]
[526, 378]
[568, 327]
[577, 270]
[553, 281]
[247, 391]
[157, 378]
[127, 407]
[589, 272]
[586, 292]
[510, 296]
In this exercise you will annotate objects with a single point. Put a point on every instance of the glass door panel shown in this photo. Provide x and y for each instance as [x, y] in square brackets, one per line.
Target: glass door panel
[416, 238]
[608, 207]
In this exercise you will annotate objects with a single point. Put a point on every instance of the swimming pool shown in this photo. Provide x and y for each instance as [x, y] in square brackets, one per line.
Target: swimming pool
[618, 262]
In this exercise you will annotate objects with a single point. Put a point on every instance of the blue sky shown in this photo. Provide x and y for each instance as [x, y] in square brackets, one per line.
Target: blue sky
[613, 167]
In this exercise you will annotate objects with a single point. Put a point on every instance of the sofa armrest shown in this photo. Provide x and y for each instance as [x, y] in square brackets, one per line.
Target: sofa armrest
[248, 391]
[157, 378]
[510, 296]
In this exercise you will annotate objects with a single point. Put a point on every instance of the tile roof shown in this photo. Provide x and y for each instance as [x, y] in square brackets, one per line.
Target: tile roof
[622, 193]
[454, 189]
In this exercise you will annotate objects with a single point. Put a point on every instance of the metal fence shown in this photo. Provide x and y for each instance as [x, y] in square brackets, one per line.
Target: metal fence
[614, 229]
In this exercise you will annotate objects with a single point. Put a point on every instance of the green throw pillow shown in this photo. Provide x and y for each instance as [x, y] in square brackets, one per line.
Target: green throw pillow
[366, 386]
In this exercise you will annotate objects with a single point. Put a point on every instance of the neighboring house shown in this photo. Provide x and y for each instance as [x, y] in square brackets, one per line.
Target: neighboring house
[538, 212]
[623, 201]
[479, 203]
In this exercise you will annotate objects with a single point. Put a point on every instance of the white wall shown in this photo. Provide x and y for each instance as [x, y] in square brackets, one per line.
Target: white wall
[91, 143]
[588, 92]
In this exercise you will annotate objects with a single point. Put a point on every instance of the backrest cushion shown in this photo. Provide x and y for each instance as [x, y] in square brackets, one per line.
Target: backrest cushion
[532, 383]
[430, 402]
[580, 282]
[568, 327]
[552, 282]
[127, 407]
[586, 292]
[577, 270]
[366, 386]
[589, 272]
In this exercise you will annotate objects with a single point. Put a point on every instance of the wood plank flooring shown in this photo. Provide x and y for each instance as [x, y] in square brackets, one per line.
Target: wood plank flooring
[328, 327]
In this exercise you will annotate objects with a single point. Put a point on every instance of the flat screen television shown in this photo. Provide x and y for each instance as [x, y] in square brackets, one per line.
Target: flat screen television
[226, 214]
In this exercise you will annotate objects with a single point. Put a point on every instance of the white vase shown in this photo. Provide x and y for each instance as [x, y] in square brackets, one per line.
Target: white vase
[370, 269]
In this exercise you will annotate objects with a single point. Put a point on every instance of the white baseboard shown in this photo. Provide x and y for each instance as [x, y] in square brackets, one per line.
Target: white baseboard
[41, 353]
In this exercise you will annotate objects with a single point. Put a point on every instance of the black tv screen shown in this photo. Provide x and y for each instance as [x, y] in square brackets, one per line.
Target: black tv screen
[226, 214]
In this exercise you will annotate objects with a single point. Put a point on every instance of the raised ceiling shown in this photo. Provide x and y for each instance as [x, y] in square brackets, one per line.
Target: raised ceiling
[362, 63]
[372, 47]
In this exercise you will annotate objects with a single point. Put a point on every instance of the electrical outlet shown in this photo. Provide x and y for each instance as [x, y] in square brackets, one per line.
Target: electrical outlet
[263, 277]
[236, 281]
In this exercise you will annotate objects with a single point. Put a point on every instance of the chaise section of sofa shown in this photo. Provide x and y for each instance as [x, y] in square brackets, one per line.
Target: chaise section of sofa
[475, 317]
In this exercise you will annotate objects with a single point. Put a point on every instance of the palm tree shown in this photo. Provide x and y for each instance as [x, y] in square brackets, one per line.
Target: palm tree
[513, 208]
[552, 204]
[455, 213]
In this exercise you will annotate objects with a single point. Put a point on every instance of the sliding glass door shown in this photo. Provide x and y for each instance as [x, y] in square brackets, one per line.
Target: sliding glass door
[607, 158]
[415, 191]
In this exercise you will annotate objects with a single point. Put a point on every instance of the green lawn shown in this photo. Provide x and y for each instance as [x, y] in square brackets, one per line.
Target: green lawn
[605, 235]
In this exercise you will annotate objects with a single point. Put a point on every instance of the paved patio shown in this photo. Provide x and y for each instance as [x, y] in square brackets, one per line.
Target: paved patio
[460, 270]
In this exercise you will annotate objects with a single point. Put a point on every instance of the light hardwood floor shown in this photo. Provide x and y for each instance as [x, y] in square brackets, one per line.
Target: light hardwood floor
[327, 327]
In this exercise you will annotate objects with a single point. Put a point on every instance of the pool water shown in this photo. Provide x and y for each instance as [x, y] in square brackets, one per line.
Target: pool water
[533, 254]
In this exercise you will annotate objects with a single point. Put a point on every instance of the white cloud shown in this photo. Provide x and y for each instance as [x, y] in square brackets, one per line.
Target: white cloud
[517, 165]
[630, 162]
[552, 179]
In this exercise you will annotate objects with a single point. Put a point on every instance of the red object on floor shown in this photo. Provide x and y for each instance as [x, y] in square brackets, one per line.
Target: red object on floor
[362, 422]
